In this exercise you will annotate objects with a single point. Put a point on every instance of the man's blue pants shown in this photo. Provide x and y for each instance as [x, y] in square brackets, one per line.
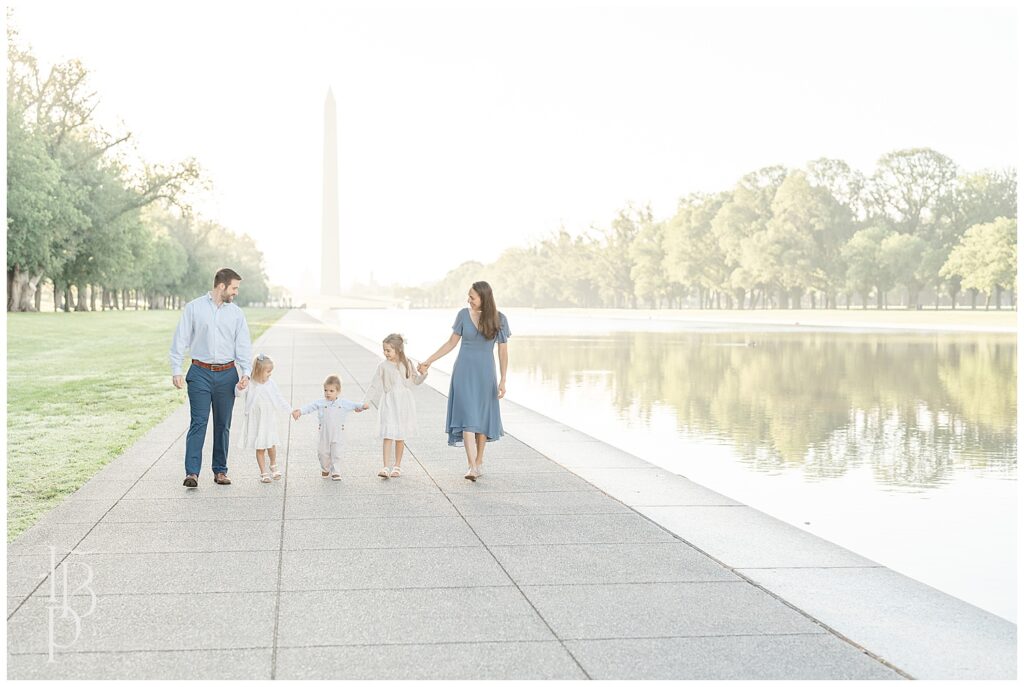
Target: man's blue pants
[208, 389]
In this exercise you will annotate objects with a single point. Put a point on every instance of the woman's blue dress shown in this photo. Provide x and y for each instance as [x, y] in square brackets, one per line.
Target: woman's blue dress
[473, 394]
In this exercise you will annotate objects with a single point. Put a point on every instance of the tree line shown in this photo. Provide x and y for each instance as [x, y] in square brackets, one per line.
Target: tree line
[825, 236]
[105, 229]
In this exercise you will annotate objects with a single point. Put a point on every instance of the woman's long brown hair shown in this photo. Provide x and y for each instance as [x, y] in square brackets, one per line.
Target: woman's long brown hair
[488, 310]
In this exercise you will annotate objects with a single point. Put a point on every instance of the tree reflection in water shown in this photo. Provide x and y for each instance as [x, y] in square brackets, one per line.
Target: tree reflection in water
[915, 407]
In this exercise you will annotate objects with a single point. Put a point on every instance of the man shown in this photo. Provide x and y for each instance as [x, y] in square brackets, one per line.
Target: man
[217, 336]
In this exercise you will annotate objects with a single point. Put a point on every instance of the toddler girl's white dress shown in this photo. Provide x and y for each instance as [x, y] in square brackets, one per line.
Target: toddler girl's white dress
[263, 403]
[396, 407]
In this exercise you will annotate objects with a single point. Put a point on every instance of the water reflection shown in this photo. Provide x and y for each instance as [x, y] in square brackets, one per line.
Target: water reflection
[915, 408]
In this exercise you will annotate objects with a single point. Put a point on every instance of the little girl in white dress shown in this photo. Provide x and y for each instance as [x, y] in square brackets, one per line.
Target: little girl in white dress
[392, 386]
[263, 402]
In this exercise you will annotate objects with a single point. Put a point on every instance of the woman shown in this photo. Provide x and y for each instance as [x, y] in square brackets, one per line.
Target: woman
[473, 414]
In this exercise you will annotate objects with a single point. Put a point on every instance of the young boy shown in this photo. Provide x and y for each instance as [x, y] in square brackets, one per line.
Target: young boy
[331, 411]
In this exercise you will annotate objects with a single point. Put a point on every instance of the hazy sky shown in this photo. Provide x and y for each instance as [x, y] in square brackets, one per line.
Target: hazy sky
[466, 129]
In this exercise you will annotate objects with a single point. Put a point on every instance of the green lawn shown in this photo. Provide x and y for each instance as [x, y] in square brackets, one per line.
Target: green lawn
[82, 388]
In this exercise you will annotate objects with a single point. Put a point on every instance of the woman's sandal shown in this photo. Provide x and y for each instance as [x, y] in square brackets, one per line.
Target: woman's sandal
[384, 473]
[336, 477]
[470, 475]
[265, 477]
[275, 473]
[396, 471]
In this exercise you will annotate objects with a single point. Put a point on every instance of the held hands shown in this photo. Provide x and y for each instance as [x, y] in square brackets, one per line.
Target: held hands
[178, 381]
[243, 382]
[366, 406]
[296, 414]
[422, 368]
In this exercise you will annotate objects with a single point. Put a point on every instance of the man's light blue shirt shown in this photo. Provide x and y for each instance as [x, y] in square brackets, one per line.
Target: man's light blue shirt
[212, 334]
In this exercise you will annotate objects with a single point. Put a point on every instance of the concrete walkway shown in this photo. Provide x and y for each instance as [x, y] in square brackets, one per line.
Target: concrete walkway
[531, 572]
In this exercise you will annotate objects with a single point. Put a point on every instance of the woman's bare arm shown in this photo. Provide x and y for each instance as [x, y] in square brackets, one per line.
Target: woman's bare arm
[445, 349]
[503, 366]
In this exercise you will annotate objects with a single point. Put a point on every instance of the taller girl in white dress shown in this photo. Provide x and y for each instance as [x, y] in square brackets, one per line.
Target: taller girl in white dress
[392, 385]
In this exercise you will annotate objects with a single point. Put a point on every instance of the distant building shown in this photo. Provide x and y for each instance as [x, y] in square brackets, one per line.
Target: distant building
[330, 268]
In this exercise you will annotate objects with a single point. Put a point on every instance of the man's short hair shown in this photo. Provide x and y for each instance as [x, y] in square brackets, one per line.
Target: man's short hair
[225, 276]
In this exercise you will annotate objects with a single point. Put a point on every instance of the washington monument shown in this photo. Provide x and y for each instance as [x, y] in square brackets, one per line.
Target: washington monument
[330, 277]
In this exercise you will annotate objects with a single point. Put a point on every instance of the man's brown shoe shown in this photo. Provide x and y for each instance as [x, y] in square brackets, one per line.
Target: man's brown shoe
[221, 478]
[191, 481]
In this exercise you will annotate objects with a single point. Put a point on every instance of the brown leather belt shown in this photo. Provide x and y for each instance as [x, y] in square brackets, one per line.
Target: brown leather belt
[215, 368]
